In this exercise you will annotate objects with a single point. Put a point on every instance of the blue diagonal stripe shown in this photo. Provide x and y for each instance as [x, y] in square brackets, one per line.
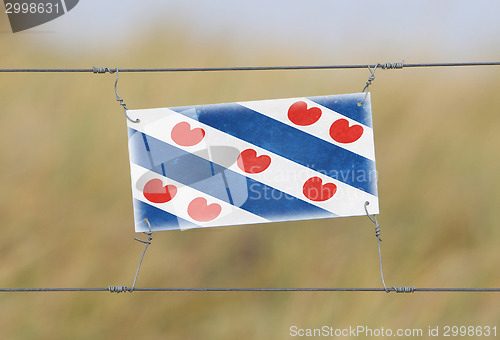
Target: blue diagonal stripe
[347, 105]
[196, 172]
[289, 142]
[159, 219]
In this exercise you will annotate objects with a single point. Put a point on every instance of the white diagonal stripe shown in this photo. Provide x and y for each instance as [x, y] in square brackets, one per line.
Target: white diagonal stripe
[278, 110]
[283, 174]
[230, 214]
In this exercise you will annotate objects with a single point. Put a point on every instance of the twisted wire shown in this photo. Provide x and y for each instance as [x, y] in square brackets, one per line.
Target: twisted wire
[369, 82]
[392, 66]
[404, 289]
[104, 70]
[249, 68]
[377, 234]
[147, 242]
[379, 239]
[372, 68]
[118, 99]
[120, 289]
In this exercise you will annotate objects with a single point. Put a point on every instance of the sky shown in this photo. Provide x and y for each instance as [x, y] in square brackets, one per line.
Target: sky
[455, 30]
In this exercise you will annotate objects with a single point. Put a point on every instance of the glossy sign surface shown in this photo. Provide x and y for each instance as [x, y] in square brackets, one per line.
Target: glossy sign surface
[252, 162]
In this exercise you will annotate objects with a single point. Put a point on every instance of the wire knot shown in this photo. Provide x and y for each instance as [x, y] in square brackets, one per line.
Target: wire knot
[378, 232]
[118, 289]
[392, 66]
[147, 243]
[103, 70]
[120, 100]
[370, 79]
[403, 289]
[374, 220]
[147, 233]
[368, 83]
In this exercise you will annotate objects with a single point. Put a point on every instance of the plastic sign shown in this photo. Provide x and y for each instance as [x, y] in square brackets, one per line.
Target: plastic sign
[252, 162]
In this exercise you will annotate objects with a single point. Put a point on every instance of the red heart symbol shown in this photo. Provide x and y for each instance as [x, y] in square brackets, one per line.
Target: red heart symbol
[342, 133]
[300, 115]
[199, 211]
[250, 163]
[184, 136]
[155, 192]
[316, 191]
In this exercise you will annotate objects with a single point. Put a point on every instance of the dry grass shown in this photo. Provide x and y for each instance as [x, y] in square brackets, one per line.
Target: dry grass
[66, 215]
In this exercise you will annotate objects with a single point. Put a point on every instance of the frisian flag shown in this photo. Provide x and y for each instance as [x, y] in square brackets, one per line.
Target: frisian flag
[252, 162]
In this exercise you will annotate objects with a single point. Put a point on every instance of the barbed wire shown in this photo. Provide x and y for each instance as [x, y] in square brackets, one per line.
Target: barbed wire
[397, 65]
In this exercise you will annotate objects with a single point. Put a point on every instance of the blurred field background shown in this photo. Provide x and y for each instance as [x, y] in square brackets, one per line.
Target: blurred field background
[66, 207]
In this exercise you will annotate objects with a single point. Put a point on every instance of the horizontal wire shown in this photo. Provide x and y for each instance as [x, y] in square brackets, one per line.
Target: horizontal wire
[248, 68]
[125, 289]
[119, 289]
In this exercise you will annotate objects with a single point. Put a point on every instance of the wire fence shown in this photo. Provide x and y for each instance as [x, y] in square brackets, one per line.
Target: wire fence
[397, 65]
[122, 289]
[371, 67]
